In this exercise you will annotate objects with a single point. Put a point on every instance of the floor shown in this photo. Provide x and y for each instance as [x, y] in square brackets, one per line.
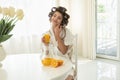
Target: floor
[99, 69]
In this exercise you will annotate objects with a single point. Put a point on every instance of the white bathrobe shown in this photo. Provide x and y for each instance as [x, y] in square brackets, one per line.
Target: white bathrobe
[68, 40]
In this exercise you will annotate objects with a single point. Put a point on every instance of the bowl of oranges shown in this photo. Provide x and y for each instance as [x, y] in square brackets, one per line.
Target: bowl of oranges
[52, 62]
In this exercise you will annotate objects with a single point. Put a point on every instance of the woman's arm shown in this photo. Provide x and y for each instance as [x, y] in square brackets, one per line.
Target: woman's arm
[61, 46]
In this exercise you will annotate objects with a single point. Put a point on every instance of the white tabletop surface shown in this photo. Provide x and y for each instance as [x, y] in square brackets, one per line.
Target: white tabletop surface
[29, 67]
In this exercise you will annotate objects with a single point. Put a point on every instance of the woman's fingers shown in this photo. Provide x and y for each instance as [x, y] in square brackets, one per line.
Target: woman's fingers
[43, 40]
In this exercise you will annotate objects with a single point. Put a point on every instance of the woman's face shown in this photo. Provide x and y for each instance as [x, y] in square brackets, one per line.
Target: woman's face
[56, 19]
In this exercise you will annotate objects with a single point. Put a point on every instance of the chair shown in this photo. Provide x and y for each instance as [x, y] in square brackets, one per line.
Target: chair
[74, 57]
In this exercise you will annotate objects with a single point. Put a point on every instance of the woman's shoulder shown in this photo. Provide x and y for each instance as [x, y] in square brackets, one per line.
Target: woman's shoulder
[67, 29]
[69, 37]
[69, 32]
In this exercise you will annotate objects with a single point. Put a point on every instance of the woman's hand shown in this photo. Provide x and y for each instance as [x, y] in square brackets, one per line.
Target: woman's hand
[43, 40]
[46, 39]
[61, 46]
[57, 31]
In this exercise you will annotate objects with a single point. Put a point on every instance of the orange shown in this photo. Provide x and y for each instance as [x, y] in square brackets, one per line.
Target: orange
[47, 38]
[46, 61]
[56, 63]
[52, 62]
[60, 62]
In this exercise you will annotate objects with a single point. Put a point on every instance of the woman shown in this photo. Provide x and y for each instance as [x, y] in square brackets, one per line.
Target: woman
[61, 37]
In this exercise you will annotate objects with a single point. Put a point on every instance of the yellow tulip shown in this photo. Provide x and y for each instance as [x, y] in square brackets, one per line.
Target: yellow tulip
[20, 17]
[5, 11]
[11, 11]
[19, 12]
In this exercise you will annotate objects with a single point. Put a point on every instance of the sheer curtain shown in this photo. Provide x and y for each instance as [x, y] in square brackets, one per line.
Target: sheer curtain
[82, 22]
[27, 33]
[90, 30]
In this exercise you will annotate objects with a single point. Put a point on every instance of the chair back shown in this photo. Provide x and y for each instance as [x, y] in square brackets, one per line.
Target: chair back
[75, 55]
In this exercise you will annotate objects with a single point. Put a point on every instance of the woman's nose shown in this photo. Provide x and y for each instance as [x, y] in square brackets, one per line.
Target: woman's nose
[55, 19]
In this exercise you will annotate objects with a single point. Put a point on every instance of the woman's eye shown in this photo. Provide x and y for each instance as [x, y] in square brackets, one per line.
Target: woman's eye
[54, 15]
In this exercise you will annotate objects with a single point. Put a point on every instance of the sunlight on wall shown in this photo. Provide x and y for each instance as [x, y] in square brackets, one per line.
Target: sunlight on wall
[35, 19]
[27, 33]
[79, 21]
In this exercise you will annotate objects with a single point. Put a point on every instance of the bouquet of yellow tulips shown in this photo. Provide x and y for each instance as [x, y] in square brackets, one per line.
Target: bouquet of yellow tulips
[9, 16]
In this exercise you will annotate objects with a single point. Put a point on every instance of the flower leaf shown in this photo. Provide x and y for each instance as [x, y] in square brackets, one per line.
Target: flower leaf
[4, 37]
[9, 29]
[2, 26]
[6, 27]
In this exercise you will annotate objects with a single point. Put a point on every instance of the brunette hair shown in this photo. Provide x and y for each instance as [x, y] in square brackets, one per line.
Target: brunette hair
[62, 10]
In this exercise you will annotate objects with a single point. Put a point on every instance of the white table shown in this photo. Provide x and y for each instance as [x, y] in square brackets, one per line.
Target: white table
[29, 67]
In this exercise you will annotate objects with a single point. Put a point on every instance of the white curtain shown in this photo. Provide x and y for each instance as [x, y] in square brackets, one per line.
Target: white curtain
[82, 23]
[27, 33]
[89, 41]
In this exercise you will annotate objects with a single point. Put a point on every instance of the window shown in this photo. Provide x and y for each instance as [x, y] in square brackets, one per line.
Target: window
[107, 28]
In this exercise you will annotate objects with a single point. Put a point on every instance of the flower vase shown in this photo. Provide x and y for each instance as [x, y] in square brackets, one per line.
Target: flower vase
[2, 54]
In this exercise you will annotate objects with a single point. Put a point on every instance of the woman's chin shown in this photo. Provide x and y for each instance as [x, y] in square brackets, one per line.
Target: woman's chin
[54, 24]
